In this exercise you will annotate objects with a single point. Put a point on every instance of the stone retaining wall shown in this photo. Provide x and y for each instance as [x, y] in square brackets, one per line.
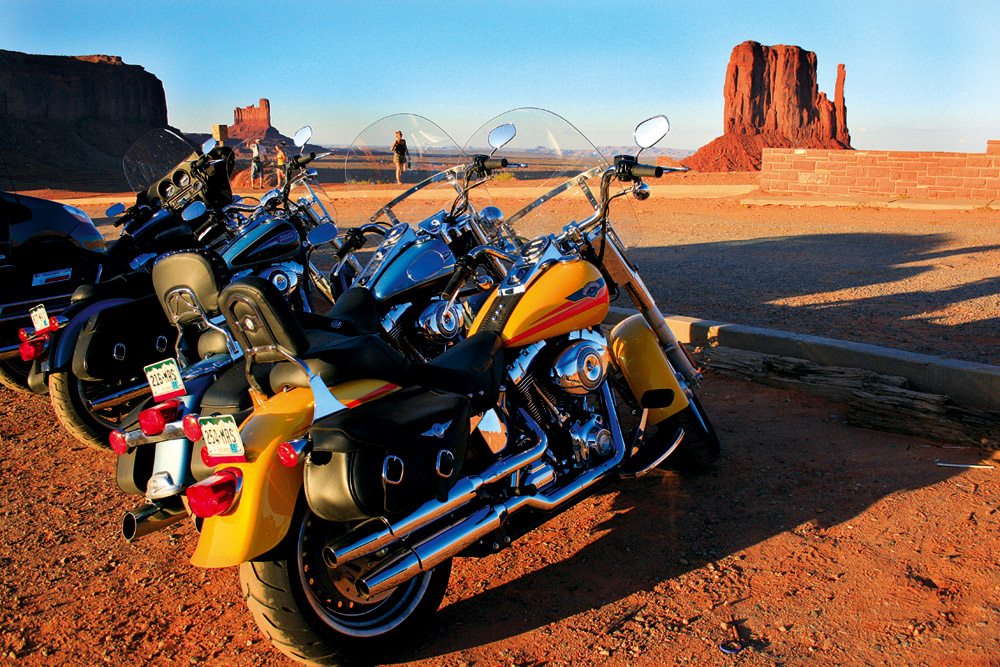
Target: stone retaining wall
[930, 175]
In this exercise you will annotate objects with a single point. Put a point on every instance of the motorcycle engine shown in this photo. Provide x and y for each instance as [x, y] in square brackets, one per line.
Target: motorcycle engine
[285, 276]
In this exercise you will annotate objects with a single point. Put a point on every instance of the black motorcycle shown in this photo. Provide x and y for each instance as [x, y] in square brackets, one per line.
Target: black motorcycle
[47, 250]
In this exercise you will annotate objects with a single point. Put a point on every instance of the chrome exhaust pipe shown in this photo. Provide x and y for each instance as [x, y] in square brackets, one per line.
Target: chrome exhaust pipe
[120, 397]
[150, 518]
[372, 535]
[453, 540]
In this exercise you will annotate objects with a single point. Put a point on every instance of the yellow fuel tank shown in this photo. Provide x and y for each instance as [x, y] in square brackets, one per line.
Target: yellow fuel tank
[568, 296]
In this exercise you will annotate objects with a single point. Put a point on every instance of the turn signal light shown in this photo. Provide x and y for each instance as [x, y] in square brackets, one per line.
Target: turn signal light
[154, 420]
[291, 453]
[192, 429]
[215, 495]
[23, 334]
[32, 349]
[119, 445]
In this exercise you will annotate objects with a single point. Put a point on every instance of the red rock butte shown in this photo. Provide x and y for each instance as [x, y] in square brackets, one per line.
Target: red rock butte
[252, 122]
[772, 100]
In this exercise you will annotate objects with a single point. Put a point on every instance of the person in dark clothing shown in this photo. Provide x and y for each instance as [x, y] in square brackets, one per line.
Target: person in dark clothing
[400, 156]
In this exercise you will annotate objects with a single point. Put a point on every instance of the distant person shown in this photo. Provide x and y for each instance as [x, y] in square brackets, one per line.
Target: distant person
[279, 163]
[400, 156]
[256, 164]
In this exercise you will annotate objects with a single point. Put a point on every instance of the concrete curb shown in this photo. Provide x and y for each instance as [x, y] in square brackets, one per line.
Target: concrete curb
[967, 383]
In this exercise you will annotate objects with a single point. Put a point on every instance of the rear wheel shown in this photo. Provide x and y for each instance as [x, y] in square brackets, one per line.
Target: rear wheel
[313, 614]
[71, 400]
[14, 375]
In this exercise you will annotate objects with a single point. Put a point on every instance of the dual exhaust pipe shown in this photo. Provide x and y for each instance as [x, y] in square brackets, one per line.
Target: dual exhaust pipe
[152, 517]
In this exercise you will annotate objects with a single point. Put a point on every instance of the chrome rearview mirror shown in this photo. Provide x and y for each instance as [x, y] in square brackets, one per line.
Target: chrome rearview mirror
[193, 211]
[209, 144]
[303, 135]
[322, 233]
[115, 210]
[501, 136]
[640, 191]
[649, 132]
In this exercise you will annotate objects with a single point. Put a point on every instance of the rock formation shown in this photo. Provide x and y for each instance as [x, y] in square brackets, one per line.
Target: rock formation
[252, 122]
[772, 100]
[66, 121]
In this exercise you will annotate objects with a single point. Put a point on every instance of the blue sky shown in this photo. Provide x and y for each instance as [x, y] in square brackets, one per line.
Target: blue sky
[921, 75]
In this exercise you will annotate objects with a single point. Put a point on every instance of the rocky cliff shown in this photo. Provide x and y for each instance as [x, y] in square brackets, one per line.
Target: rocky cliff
[772, 100]
[66, 121]
[252, 122]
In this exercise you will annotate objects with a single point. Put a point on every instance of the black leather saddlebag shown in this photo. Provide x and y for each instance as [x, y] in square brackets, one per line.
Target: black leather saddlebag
[119, 341]
[387, 456]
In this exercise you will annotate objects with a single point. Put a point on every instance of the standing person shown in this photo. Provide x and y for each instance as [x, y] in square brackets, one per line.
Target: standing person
[279, 162]
[400, 156]
[256, 164]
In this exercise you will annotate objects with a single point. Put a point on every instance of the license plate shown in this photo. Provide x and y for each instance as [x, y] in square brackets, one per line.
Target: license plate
[222, 436]
[57, 276]
[39, 317]
[164, 379]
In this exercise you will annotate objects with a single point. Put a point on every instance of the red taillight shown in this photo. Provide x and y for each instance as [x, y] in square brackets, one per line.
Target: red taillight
[192, 429]
[153, 420]
[215, 495]
[291, 453]
[23, 334]
[119, 445]
[32, 349]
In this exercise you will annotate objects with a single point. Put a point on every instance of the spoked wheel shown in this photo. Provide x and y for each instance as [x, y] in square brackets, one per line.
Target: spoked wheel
[314, 614]
[14, 375]
[72, 397]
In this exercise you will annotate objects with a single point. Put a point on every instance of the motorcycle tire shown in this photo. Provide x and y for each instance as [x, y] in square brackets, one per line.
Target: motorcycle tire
[700, 448]
[14, 375]
[315, 618]
[68, 403]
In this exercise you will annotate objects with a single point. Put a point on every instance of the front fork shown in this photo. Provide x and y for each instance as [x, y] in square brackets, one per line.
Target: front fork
[626, 275]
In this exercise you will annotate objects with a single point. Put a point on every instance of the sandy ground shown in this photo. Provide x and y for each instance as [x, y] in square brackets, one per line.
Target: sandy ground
[826, 543]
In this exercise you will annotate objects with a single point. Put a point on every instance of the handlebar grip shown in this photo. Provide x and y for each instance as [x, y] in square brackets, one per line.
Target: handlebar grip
[493, 163]
[303, 160]
[647, 170]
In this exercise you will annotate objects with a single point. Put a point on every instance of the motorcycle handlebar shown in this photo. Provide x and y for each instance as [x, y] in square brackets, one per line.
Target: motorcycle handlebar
[303, 160]
[463, 269]
[494, 163]
[647, 171]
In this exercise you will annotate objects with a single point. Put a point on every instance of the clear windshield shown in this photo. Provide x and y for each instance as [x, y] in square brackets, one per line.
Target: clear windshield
[371, 164]
[544, 196]
[154, 155]
[310, 193]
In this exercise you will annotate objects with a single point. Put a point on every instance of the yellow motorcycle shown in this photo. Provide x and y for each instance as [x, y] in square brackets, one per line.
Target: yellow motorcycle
[358, 476]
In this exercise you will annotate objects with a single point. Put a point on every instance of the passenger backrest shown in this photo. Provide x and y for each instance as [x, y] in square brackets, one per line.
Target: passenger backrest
[259, 317]
[184, 277]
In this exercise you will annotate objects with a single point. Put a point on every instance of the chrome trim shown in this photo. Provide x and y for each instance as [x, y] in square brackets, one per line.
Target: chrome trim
[136, 438]
[660, 459]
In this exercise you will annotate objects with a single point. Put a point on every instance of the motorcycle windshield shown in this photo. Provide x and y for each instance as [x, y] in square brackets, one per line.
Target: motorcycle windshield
[541, 191]
[429, 167]
[310, 193]
[154, 155]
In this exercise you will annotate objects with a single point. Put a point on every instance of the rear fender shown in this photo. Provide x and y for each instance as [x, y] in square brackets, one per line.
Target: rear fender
[637, 352]
[270, 490]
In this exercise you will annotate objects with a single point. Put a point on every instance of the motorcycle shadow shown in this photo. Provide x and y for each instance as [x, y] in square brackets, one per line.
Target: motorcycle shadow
[795, 469]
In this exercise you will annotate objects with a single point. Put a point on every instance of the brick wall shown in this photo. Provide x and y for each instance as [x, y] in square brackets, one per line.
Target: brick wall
[883, 173]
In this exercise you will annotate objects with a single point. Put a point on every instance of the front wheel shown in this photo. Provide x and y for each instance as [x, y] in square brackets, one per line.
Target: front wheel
[699, 450]
[313, 614]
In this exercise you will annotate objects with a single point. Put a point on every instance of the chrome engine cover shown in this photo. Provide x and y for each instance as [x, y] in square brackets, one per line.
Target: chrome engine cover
[284, 275]
[438, 321]
[590, 438]
[581, 367]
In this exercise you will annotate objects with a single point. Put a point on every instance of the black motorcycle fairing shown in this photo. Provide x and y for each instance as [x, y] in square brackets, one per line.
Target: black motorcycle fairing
[416, 438]
[24, 218]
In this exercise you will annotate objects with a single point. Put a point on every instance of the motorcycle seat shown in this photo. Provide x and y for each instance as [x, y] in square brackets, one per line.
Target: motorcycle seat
[473, 368]
[338, 358]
